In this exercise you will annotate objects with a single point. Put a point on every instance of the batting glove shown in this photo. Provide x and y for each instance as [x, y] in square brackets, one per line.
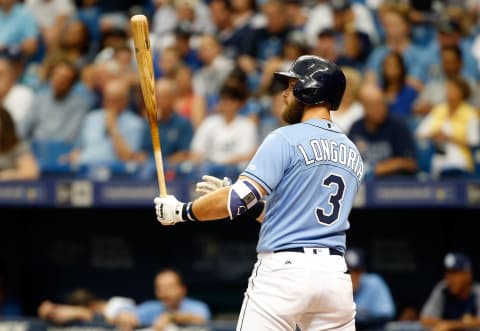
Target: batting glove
[169, 210]
[211, 184]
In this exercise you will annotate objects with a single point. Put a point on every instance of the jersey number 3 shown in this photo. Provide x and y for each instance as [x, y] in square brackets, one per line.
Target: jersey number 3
[335, 200]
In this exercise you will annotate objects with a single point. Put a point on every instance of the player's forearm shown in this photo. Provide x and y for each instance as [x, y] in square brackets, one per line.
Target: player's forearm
[465, 323]
[429, 321]
[395, 164]
[188, 318]
[212, 206]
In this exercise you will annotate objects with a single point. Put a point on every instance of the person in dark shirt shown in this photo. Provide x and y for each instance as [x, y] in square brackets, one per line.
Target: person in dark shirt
[385, 143]
[454, 303]
[175, 131]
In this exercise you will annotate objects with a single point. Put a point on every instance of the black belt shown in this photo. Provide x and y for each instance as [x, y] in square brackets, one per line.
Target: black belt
[333, 251]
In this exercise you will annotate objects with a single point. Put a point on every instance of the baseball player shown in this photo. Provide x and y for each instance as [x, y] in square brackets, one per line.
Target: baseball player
[308, 172]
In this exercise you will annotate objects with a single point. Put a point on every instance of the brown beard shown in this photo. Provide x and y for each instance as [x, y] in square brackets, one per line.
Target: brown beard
[293, 112]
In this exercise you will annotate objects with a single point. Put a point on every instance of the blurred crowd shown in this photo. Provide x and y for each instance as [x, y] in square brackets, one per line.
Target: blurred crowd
[453, 302]
[71, 103]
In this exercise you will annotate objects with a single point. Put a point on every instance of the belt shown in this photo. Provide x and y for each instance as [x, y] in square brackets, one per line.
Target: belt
[312, 250]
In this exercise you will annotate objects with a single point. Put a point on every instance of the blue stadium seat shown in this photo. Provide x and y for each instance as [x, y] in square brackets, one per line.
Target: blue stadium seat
[109, 171]
[48, 153]
[476, 160]
[424, 152]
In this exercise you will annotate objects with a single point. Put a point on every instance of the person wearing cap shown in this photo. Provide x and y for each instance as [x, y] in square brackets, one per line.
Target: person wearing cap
[371, 294]
[454, 302]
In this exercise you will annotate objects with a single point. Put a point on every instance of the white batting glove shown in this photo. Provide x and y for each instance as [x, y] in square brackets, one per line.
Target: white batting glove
[211, 184]
[169, 210]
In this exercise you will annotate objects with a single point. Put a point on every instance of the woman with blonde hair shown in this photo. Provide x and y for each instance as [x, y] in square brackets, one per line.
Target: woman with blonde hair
[453, 129]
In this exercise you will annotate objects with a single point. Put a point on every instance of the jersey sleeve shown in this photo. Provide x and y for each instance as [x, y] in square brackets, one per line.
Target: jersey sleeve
[434, 305]
[270, 162]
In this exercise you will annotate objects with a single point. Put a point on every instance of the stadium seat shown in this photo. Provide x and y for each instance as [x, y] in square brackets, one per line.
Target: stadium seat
[48, 154]
[476, 160]
[104, 172]
[424, 152]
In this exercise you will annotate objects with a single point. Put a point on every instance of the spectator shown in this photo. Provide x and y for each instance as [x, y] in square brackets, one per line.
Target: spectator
[89, 13]
[111, 135]
[184, 34]
[171, 307]
[57, 111]
[435, 91]
[371, 294]
[454, 302]
[385, 143]
[246, 15]
[396, 25]
[81, 307]
[252, 108]
[17, 161]
[196, 13]
[74, 44]
[326, 14]
[449, 33]
[326, 46]
[453, 128]
[9, 305]
[398, 93]
[216, 67]
[19, 30]
[167, 62]
[225, 140]
[189, 104]
[175, 130]
[16, 98]
[230, 37]
[350, 109]
[52, 17]
[266, 42]
[297, 14]
[110, 39]
[164, 19]
[295, 45]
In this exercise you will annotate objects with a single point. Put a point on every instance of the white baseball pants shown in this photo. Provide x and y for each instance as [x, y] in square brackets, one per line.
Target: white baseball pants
[287, 289]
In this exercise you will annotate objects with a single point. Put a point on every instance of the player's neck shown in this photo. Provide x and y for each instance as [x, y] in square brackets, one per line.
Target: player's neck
[319, 113]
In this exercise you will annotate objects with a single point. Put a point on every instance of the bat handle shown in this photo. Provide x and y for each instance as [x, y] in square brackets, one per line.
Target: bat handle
[161, 178]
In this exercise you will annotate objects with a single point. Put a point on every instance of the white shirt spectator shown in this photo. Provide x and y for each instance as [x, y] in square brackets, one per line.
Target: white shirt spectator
[18, 102]
[219, 141]
[208, 80]
[321, 17]
[47, 11]
[345, 119]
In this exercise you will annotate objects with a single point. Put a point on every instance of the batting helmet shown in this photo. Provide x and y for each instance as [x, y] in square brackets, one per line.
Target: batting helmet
[319, 81]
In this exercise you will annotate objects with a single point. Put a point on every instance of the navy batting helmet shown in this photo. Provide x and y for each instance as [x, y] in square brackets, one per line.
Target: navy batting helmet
[319, 81]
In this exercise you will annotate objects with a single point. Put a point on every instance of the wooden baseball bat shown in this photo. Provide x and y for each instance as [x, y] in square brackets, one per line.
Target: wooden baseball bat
[141, 40]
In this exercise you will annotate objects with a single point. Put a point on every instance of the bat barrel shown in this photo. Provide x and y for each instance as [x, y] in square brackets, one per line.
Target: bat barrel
[141, 40]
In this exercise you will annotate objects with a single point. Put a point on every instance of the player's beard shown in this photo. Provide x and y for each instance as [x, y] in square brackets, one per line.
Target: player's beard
[292, 112]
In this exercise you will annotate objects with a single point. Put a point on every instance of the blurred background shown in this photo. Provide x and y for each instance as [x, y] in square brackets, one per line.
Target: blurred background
[79, 242]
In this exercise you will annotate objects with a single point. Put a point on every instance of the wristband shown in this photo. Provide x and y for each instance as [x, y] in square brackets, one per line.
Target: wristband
[187, 212]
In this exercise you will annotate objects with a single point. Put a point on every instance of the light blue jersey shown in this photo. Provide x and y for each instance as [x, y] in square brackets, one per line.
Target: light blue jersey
[311, 172]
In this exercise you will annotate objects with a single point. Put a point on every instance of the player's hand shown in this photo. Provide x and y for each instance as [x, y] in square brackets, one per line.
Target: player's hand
[211, 184]
[169, 210]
